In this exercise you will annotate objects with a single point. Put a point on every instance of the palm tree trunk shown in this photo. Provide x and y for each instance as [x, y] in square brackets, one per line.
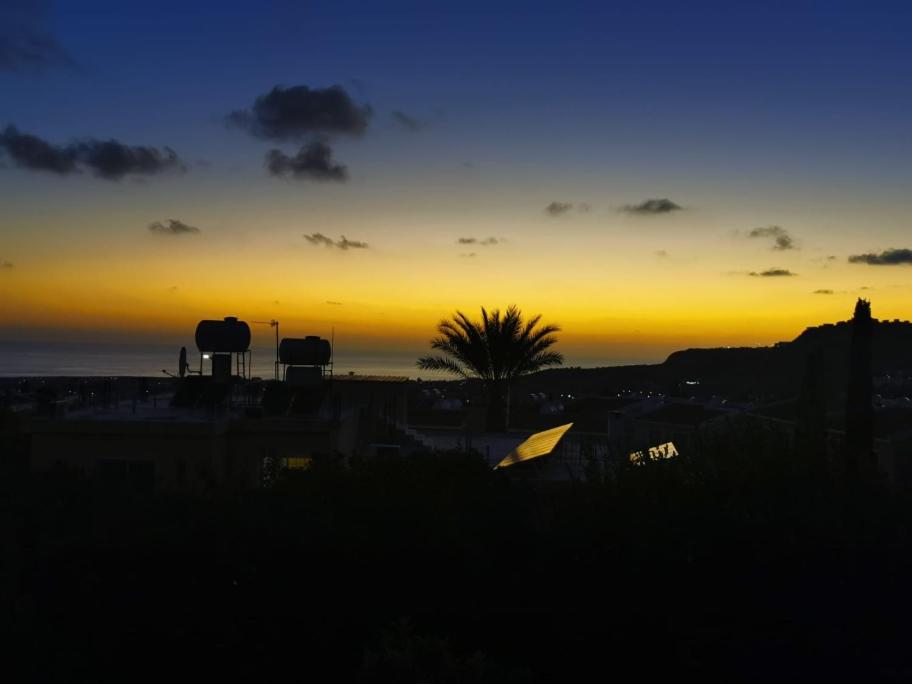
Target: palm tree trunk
[507, 409]
[496, 420]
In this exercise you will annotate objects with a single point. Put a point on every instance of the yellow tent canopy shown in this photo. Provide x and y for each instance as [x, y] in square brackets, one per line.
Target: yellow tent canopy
[539, 444]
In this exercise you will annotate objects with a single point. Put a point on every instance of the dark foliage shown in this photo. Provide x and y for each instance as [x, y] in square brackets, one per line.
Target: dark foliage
[742, 561]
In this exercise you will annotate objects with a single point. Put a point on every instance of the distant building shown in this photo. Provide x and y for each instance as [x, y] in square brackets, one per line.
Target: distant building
[676, 422]
[152, 445]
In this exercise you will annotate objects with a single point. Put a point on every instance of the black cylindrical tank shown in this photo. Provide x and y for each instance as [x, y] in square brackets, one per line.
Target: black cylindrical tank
[311, 351]
[229, 335]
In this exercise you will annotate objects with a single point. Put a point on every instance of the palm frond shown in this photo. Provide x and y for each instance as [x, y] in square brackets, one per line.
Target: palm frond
[442, 363]
[498, 348]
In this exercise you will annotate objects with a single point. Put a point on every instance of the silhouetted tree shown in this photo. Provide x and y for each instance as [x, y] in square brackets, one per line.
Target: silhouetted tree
[859, 411]
[810, 428]
[497, 349]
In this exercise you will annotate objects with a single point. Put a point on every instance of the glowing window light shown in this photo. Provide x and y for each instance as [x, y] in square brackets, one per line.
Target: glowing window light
[656, 453]
[298, 462]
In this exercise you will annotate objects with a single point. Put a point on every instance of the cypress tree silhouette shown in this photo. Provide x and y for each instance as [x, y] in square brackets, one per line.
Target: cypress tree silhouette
[810, 430]
[859, 411]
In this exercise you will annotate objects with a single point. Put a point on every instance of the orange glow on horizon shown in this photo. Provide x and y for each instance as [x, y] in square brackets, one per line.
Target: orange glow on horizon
[614, 299]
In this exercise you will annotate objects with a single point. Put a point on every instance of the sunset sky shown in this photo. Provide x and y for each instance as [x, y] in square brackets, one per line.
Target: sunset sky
[649, 175]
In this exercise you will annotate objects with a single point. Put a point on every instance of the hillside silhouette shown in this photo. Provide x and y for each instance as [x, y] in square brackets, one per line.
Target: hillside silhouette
[747, 373]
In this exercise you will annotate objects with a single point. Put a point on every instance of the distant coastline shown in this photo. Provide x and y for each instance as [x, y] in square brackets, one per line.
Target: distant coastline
[84, 359]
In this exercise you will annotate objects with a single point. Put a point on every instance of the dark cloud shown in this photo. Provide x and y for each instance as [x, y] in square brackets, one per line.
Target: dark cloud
[823, 292]
[296, 112]
[33, 153]
[172, 227]
[888, 257]
[108, 159]
[561, 208]
[313, 161]
[781, 238]
[332, 303]
[773, 273]
[6, 265]
[558, 208]
[319, 239]
[486, 242]
[26, 45]
[661, 253]
[407, 122]
[113, 160]
[344, 243]
[652, 207]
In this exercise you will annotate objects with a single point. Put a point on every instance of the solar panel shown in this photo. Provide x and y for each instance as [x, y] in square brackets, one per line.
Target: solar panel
[539, 444]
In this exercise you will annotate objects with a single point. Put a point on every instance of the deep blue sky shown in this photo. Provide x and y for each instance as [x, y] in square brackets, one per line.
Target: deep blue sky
[714, 71]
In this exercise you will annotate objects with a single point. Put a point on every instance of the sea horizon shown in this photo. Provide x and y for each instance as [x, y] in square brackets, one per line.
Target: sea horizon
[135, 359]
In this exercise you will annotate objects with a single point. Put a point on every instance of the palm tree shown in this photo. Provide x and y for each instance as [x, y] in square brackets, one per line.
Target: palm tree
[497, 349]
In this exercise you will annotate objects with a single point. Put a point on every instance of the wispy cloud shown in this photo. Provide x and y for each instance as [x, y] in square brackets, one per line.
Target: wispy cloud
[486, 242]
[773, 273]
[558, 208]
[172, 227]
[6, 265]
[563, 208]
[652, 207]
[409, 123]
[781, 238]
[343, 243]
[888, 257]
[823, 292]
[320, 239]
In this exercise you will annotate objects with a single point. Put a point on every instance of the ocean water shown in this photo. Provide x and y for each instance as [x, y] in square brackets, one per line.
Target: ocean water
[86, 359]
[19, 359]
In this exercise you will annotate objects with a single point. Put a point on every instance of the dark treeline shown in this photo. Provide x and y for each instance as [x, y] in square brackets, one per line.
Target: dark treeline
[743, 562]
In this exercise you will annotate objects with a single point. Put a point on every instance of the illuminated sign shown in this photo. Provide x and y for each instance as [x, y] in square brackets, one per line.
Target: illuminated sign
[656, 453]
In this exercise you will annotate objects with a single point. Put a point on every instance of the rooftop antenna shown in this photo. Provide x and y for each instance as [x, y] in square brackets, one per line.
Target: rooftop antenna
[273, 324]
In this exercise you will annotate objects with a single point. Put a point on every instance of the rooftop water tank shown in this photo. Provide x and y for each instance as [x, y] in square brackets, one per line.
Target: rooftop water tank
[226, 336]
[311, 351]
